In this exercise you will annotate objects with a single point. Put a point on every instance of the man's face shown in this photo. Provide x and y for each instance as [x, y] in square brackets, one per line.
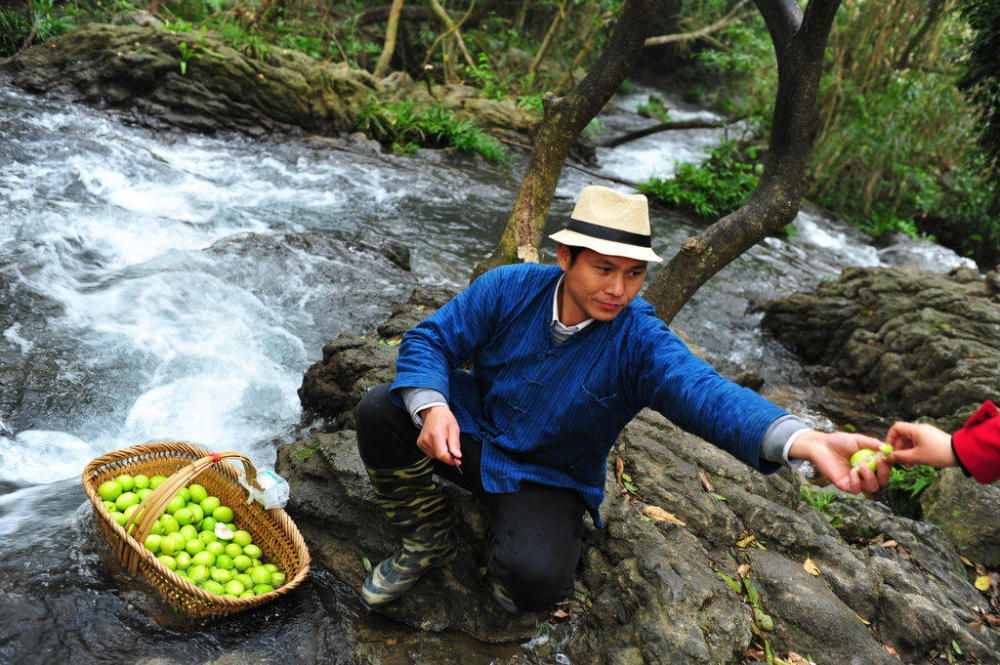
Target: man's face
[597, 285]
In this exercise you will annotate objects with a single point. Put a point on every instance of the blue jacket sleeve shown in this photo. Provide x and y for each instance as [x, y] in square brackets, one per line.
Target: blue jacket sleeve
[696, 398]
[448, 337]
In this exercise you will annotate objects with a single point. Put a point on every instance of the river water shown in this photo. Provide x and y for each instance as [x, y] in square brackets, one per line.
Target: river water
[162, 286]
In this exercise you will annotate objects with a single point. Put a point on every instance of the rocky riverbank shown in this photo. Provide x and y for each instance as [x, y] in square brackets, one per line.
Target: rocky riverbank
[701, 554]
[192, 80]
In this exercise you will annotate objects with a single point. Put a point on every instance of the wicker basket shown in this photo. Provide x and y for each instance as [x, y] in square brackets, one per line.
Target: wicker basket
[272, 530]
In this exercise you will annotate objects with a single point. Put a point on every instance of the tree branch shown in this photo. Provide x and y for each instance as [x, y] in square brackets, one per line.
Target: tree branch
[670, 126]
[723, 22]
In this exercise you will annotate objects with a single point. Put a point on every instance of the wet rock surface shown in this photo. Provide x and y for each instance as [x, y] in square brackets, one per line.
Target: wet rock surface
[913, 344]
[692, 589]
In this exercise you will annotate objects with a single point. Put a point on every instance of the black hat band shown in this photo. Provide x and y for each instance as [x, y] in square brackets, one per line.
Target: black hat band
[605, 233]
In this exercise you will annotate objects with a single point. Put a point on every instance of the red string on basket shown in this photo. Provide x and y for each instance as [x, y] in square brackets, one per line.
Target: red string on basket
[216, 458]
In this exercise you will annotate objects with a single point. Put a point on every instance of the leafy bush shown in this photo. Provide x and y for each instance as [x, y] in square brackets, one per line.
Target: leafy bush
[713, 188]
[906, 486]
[404, 127]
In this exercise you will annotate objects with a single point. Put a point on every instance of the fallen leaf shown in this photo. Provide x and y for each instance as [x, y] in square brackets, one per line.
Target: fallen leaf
[660, 515]
[890, 543]
[619, 469]
[966, 561]
[982, 583]
[795, 659]
[560, 614]
[981, 570]
[745, 542]
[743, 570]
[706, 484]
[810, 567]
[763, 619]
[863, 620]
[892, 652]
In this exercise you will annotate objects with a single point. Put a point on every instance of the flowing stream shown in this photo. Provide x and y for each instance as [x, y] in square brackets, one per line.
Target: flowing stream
[162, 286]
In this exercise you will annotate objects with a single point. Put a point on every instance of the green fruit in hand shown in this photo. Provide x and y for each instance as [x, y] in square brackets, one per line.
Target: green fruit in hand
[198, 492]
[126, 482]
[110, 490]
[156, 481]
[864, 457]
[886, 449]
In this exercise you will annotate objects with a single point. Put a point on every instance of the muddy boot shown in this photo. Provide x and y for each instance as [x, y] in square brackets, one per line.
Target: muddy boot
[418, 508]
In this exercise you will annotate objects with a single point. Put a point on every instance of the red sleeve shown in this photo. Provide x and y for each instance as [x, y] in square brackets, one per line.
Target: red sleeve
[977, 445]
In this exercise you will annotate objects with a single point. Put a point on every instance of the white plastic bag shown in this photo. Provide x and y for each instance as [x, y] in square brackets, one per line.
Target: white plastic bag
[274, 489]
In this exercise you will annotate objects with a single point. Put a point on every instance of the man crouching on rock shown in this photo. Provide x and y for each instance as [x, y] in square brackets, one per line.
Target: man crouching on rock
[562, 359]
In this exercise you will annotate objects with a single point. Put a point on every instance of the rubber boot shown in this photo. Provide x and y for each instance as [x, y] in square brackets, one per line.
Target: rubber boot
[415, 505]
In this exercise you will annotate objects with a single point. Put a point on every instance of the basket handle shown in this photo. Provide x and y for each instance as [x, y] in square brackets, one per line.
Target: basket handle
[156, 501]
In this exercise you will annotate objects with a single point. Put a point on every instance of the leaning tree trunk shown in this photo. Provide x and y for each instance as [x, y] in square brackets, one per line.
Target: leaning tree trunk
[799, 45]
[562, 121]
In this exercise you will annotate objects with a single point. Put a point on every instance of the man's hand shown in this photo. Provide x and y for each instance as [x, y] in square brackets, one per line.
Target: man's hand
[439, 436]
[831, 455]
[915, 443]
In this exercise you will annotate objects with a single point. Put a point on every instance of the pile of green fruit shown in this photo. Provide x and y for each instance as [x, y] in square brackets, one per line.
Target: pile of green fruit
[196, 538]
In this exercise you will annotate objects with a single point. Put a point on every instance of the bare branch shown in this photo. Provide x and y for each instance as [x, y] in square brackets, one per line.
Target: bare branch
[670, 126]
[721, 24]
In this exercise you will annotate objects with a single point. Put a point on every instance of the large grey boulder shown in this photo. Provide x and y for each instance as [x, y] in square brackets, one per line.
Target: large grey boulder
[969, 513]
[914, 344]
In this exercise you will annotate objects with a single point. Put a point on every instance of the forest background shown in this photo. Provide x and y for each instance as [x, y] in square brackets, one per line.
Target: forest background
[908, 131]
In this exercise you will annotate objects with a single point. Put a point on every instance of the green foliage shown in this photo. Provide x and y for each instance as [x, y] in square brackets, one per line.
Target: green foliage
[654, 108]
[905, 487]
[484, 76]
[14, 30]
[981, 82]
[819, 500]
[713, 188]
[404, 128]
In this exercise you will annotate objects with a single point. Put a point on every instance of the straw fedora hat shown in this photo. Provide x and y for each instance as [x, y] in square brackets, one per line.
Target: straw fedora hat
[609, 222]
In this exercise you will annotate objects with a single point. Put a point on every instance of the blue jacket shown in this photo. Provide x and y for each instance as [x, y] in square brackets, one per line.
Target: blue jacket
[550, 413]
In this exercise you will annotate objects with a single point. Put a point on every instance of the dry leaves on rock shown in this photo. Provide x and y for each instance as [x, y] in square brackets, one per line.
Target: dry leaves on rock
[660, 515]
[810, 567]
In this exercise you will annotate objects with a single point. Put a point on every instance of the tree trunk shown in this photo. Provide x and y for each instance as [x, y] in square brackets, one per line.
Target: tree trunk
[799, 44]
[563, 120]
[392, 25]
